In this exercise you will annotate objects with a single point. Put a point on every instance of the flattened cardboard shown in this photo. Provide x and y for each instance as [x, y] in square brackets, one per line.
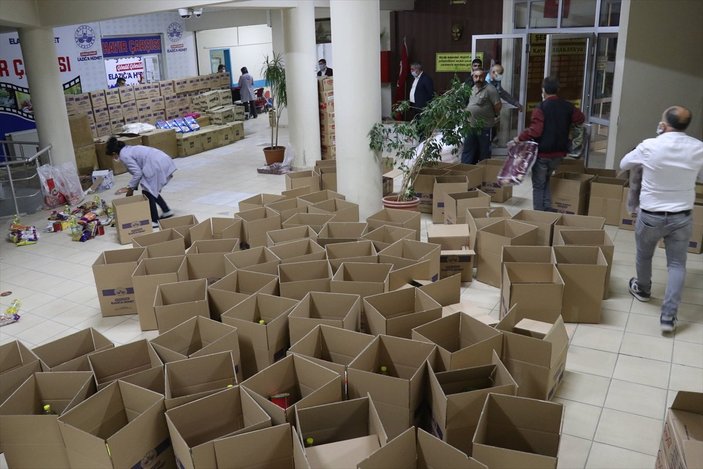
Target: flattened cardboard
[544, 221]
[259, 259]
[386, 235]
[518, 432]
[301, 250]
[205, 246]
[29, 437]
[682, 439]
[583, 269]
[146, 278]
[216, 228]
[531, 288]
[605, 198]
[17, 363]
[181, 224]
[397, 312]
[256, 223]
[275, 447]
[132, 217]
[341, 232]
[161, 243]
[238, 286]
[120, 426]
[112, 271]
[455, 204]
[445, 185]
[258, 200]
[122, 361]
[307, 383]
[489, 247]
[590, 238]
[313, 220]
[260, 343]
[406, 252]
[343, 210]
[390, 216]
[462, 341]
[287, 235]
[179, 301]
[70, 353]
[354, 251]
[194, 427]
[193, 378]
[334, 309]
[298, 278]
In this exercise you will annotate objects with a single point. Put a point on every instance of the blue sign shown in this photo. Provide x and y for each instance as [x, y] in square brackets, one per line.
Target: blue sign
[130, 46]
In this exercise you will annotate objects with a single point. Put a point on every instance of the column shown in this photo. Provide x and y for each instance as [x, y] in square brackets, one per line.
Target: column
[301, 83]
[357, 100]
[44, 81]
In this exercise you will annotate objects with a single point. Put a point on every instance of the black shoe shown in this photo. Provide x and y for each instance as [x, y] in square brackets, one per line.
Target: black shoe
[637, 292]
[667, 323]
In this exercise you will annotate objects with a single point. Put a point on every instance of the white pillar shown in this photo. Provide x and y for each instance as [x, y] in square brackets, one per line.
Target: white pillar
[357, 100]
[44, 81]
[301, 83]
[277, 40]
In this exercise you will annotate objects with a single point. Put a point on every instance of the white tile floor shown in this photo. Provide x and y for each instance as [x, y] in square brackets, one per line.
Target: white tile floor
[620, 374]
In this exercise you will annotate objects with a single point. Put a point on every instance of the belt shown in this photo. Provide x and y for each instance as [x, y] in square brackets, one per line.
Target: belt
[682, 212]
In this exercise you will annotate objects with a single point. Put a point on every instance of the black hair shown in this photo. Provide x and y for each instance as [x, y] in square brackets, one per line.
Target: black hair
[221, 67]
[477, 61]
[120, 80]
[244, 70]
[550, 85]
[676, 118]
[322, 61]
[114, 146]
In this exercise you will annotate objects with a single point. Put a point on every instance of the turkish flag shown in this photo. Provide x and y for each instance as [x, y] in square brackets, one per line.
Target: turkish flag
[402, 76]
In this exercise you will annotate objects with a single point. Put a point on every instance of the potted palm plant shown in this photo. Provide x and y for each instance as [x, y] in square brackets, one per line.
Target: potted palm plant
[274, 72]
[418, 144]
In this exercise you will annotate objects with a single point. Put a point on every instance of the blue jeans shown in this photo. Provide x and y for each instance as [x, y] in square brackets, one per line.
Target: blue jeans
[541, 173]
[477, 146]
[676, 231]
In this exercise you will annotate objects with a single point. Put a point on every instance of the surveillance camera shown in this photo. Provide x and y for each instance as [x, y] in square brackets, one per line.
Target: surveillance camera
[184, 13]
[197, 12]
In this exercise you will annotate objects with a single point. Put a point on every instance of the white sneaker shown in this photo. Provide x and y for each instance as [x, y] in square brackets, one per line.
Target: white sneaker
[154, 225]
[168, 214]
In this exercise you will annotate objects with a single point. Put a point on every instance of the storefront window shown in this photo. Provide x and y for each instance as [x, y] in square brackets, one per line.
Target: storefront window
[544, 14]
[520, 16]
[610, 13]
[576, 13]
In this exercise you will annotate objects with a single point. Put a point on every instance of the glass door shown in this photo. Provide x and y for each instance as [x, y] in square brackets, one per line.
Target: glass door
[510, 51]
[601, 97]
[568, 57]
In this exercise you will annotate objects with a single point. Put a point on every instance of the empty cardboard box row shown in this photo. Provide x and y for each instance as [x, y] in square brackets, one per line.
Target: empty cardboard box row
[193, 378]
[17, 363]
[236, 287]
[334, 309]
[287, 235]
[70, 353]
[341, 232]
[162, 243]
[259, 259]
[301, 250]
[355, 251]
[181, 224]
[397, 312]
[393, 217]
[120, 362]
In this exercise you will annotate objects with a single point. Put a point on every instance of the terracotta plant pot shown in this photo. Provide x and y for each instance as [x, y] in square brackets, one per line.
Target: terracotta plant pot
[274, 154]
[391, 201]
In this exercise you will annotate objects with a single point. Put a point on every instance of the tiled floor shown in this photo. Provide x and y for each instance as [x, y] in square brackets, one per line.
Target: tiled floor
[620, 374]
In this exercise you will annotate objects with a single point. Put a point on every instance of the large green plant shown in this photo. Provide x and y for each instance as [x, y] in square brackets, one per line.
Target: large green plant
[274, 72]
[444, 121]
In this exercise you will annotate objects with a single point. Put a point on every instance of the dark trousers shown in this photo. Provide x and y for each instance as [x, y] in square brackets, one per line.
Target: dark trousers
[153, 202]
[477, 146]
[250, 107]
[541, 174]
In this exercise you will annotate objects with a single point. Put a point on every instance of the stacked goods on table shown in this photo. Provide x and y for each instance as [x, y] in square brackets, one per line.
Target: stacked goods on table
[325, 89]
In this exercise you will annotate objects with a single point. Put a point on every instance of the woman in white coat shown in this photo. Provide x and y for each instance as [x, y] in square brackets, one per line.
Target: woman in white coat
[246, 92]
[149, 166]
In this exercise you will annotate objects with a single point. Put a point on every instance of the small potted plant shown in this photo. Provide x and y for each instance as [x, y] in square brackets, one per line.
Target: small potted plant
[418, 144]
[274, 72]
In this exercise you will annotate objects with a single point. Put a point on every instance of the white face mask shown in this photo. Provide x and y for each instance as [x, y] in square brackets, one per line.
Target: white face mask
[323, 68]
[498, 77]
[660, 128]
[414, 73]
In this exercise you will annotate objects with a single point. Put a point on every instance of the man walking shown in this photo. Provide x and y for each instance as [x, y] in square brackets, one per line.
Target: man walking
[549, 127]
[484, 106]
[671, 164]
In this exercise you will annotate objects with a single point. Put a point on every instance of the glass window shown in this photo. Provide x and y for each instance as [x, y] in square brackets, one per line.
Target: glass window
[520, 16]
[544, 16]
[578, 13]
[610, 13]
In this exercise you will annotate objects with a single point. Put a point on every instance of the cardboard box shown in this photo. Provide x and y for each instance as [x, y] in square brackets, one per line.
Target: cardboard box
[605, 199]
[258, 200]
[130, 113]
[216, 228]
[115, 112]
[127, 94]
[30, 438]
[315, 220]
[478, 218]
[397, 389]
[457, 397]
[298, 278]
[531, 288]
[211, 266]
[86, 159]
[262, 324]
[570, 192]
[455, 205]
[490, 185]
[256, 223]
[188, 144]
[461, 341]
[590, 238]
[194, 378]
[132, 217]
[17, 363]
[448, 236]
[682, 440]
[517, 432]
[544, 221]
[445, 185]
[343, 433]
[535, 254]
[320, 196]
[106, 161]
[181, 224]
[176, 302]
[286, 235]
[446, 291]
[306, 383]
[221, 114]
[124, 360]
[277, 446]
[489, 247]
[259, 259]
[355, 251]
[385, 235]
[536, 359]
[163, 139]
[396, 313]
[161, 243]
[236, 287]
[298, 179]
[583, 269]
[405, 252]
[195, 426]
[343, 210]
[100, 115]
[570, 165]
[204, 246]
[120, 426]
[302, 250]
[474, 173]
[286, 208]
[70, 352]
[112, 271]
[627, 219]
[393, 217]
[112, 96]
[80, 130]
[334, 309]
[576, 222]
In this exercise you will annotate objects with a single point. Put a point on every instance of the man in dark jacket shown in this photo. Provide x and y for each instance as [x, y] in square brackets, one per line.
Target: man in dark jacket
[549, 127]
[324, 71]
[421, 91]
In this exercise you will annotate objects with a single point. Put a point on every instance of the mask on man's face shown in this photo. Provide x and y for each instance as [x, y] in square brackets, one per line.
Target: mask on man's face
[323, 68]
[498, 77]
[414, 73]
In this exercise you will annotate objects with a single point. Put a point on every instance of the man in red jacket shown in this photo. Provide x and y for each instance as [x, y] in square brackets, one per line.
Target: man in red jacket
[549, 127]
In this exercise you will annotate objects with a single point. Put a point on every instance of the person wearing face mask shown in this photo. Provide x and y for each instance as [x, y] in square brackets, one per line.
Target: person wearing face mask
[495, 78]
[484, 106]
[421, 91]
[323, 71]
[671, 164]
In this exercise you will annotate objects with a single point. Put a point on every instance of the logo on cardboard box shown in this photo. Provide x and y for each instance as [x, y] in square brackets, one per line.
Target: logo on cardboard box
[134, 224]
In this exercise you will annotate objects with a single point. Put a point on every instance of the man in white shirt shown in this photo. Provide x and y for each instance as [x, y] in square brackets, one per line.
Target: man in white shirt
[671, 164]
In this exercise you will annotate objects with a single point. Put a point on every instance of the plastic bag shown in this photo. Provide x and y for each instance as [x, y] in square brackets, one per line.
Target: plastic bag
[60, 184]
[521, 157]
[137, 128]
[577, 140]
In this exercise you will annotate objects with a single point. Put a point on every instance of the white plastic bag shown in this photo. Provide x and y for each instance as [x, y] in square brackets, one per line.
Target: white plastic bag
[137, 128]
[60, 184]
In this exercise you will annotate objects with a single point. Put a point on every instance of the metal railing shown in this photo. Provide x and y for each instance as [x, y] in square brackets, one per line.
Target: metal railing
[20, 163]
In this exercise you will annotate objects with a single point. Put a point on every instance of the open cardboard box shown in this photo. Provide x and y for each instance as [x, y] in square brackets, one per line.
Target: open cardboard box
[193, 378]
[340, 434]
[584, 270]
[424, 186]
[179, 301]
[406, 252]
[544, 221]
[576, 222]
[489, 247]
[396, 313]
[354, 251]
[287, 235]
[590, 238]
[112, 271]
[255, 223]
[119, 362]
[478, 218]
[301, 250]
[446, 185]
[456, 399]
[294, 193]
[531, 288]
[455, 256]
[570, 192]
[70, 353]
[195, 426]
[313, 220]
[146, 278]
[262, 324]
[341, 232]
[259, 259]
[258, 200]
[237, 286]
[205, 246]
[320, 196]
[299, 278]
[30, 437]
[455, 205]
[536, 254]
[605, 198]
[490, 185]
[298, 179]
[274, 447]
[122, 425]
[393, 372]
[518, 432]
[17, 363]
[682, 440]
[364, 279]
[210, 266]
[286, 208]
[473, 172]
[132, 217]
[306, 383]
[401, 218]
[386, 235]
[182, 224]
[161, 243]
[334, 309]
[461, 341]
[216, 228]
[343, 210]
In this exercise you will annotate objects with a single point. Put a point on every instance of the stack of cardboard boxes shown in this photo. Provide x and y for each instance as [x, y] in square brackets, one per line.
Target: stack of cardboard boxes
[325, 88]
[83, 146]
